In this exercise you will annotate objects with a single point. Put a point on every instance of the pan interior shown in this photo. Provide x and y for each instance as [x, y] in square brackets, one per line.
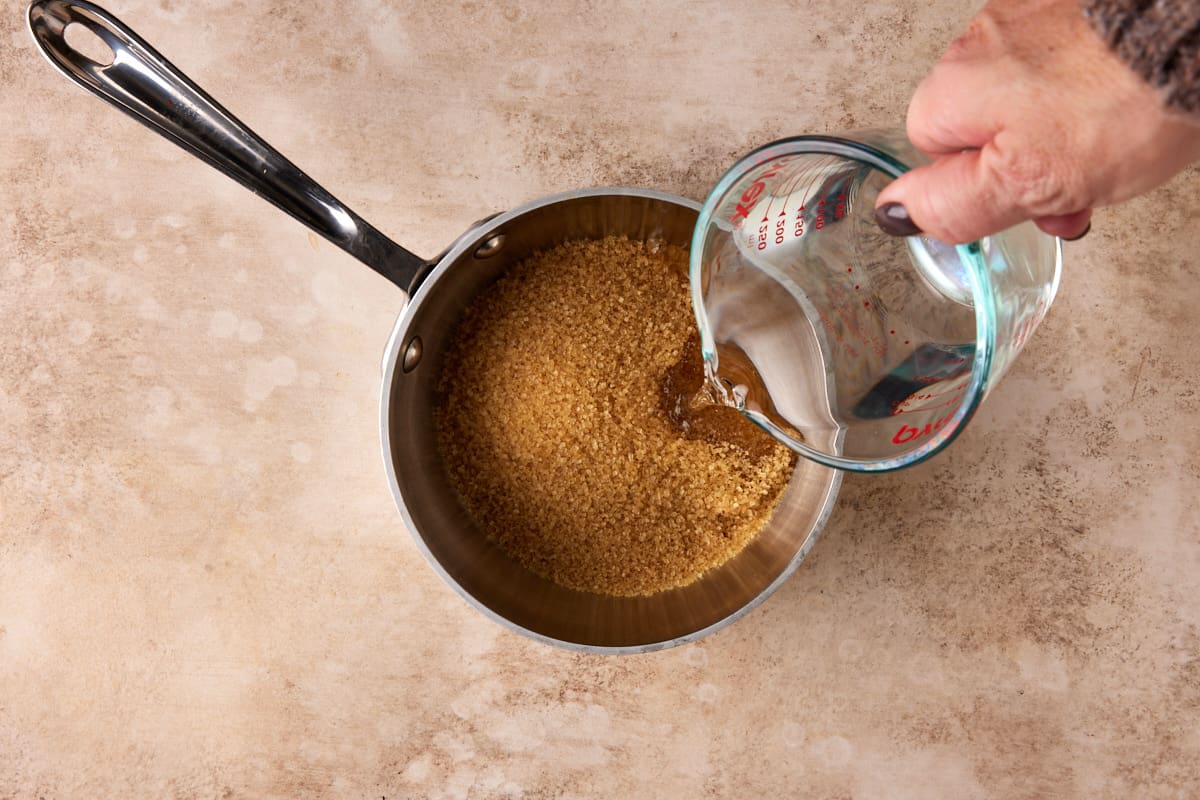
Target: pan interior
[483, 572]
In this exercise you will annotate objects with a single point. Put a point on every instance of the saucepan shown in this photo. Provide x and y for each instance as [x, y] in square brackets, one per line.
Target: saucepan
[144, 85]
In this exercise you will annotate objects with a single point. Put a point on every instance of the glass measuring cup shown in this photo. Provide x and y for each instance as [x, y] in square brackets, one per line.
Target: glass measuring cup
[856, 349]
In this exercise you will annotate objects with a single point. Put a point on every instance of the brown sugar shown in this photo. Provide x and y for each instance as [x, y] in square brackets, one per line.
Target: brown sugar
[554, 423]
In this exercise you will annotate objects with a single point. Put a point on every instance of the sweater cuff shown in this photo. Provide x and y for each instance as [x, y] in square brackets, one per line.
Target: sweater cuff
[1159, 40]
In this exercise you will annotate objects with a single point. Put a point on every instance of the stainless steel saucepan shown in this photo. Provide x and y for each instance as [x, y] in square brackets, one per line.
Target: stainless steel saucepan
[147, 87]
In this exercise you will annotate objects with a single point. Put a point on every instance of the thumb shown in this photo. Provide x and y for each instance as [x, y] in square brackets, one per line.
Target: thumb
[954, 199]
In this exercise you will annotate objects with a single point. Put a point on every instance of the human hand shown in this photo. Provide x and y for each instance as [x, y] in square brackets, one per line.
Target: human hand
[1028, 115]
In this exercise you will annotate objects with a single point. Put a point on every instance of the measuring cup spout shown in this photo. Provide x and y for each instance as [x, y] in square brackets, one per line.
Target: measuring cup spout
[140, 82]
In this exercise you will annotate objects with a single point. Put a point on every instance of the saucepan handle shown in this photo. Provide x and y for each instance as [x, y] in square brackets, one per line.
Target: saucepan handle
[147, 87]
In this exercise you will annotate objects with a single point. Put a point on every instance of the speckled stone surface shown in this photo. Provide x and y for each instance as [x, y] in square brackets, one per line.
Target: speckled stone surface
[205, 590]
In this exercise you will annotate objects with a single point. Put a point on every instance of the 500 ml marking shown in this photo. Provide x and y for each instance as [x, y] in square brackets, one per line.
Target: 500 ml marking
[754, 190]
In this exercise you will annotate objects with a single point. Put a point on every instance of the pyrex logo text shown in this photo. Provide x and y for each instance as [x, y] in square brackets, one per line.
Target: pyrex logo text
[742, 211]
[908, 433]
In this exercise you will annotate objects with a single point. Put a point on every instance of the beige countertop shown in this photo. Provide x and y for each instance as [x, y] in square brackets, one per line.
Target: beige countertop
[205, 589]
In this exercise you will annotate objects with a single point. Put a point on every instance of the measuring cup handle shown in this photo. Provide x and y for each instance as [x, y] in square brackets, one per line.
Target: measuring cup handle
[150, 89]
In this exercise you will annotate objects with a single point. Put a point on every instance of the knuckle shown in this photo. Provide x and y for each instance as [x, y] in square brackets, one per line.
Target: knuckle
[920, 120]
[932, 120]
[978, 38]
[954, 227]
[1034, 181]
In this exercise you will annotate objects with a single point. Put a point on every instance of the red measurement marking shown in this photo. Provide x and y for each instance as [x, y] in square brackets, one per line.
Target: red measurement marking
[953, 390]
[788, 191]
[780, 226]
[916, 398]
[897, 412]
[815, 175]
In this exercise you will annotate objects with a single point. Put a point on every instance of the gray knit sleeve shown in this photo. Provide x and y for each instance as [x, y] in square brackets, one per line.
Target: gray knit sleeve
[1159, 39]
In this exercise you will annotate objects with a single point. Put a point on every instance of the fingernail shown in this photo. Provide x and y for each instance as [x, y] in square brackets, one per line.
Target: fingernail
[893, 219]
[1082, 234]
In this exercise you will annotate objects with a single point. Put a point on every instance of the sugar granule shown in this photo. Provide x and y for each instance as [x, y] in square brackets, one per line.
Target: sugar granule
[553, 427]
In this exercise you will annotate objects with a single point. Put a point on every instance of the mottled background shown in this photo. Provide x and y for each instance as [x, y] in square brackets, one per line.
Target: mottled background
[205, 590]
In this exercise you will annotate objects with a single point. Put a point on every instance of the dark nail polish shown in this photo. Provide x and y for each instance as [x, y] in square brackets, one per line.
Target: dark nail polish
[893, 219]
[1082, 234]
